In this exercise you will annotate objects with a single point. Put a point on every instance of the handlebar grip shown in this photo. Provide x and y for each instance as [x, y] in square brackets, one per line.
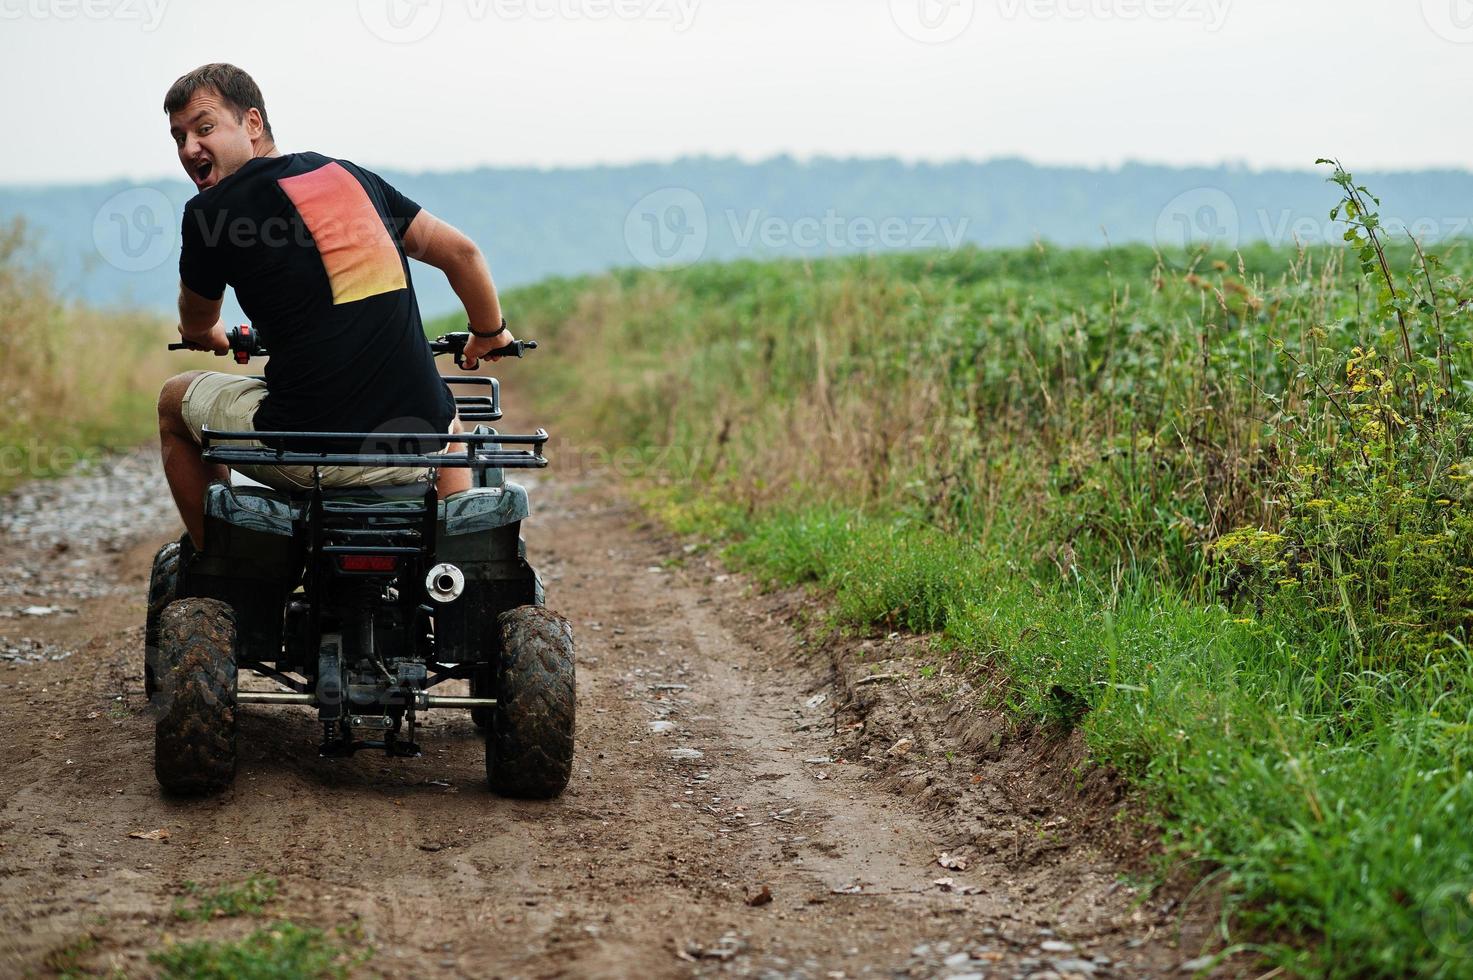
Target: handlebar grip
[514, 349]
[245, 343]
[457, 347]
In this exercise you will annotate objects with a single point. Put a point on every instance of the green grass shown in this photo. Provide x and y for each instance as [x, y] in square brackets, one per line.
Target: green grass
[1032, 455]
[1337, 803]
[66, 961]
[64, 400]
[283, 951]
[249, 897]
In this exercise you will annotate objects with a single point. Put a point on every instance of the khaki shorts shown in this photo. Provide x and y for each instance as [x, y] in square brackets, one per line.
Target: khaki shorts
[228, 403]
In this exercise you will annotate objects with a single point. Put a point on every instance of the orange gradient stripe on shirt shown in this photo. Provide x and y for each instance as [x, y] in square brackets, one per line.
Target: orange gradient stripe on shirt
[360, 258]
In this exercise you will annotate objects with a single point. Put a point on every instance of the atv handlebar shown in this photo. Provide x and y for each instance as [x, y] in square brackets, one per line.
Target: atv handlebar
[245, 343]
[454, 343]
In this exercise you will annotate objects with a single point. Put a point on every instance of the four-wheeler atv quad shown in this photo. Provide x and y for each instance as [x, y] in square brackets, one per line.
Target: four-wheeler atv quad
[360, 602]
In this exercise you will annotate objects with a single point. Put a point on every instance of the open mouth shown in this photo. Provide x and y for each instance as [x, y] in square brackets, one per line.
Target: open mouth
[202, 171]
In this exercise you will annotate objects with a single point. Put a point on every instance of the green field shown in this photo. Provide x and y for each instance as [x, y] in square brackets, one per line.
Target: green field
[1213, 510]
[74, 380]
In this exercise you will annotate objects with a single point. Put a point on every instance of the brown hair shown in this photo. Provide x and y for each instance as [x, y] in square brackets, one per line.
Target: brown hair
[235, 87]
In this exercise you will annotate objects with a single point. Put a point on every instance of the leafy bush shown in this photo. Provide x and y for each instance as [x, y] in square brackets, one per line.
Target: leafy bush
[1374, 525]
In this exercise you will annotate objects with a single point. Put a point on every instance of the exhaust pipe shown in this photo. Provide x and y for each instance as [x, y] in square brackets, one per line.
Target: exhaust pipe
[445, 583]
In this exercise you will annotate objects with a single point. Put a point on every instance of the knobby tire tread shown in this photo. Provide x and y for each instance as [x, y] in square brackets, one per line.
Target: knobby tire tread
[194, 736]
[163, 588]
[529, 743]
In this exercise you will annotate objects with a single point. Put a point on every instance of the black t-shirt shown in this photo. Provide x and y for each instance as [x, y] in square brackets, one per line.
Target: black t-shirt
[314, 250]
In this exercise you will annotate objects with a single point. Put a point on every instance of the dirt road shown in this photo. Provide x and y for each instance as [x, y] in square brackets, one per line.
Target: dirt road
[720, 753]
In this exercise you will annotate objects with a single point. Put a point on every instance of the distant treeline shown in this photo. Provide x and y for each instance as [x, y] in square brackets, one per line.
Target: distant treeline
[113, 243]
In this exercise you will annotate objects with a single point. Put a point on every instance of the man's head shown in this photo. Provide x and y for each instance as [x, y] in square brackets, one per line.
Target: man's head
[217, 117]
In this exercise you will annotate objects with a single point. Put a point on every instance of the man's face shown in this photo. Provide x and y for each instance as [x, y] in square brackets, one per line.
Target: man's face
[212, 142]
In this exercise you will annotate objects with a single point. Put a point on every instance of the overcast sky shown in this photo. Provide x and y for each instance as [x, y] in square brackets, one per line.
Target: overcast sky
[448, 84]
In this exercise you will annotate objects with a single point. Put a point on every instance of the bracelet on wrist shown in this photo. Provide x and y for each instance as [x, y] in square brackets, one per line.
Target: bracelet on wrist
[487, 336]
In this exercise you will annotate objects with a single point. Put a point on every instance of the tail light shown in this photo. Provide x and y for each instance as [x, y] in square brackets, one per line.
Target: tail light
[368, 563]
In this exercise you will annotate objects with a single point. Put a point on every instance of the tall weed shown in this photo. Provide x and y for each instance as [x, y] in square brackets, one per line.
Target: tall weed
[73, 380]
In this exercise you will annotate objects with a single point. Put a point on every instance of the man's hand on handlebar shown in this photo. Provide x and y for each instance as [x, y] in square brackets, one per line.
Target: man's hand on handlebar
[216, 340]
[484, 348]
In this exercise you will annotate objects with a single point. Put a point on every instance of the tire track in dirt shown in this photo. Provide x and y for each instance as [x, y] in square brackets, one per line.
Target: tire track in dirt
[707, 769]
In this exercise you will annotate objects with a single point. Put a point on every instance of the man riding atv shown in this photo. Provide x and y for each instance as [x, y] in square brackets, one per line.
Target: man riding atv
[315, 249]
[383, 557]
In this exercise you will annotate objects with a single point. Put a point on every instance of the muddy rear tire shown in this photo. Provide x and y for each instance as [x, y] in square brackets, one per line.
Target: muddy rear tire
[194, 736]
[163, 588]
[483, 677]
[529, 742]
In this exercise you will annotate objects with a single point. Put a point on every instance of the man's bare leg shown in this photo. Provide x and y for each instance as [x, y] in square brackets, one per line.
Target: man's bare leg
[187, 473]
[454, 480]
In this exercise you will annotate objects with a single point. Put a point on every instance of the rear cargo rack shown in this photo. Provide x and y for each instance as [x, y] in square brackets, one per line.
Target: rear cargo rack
[478, 408]
[483, 450]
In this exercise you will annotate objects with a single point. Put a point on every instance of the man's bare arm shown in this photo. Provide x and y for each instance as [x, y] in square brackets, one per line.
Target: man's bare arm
[199, 321]
[436, 243]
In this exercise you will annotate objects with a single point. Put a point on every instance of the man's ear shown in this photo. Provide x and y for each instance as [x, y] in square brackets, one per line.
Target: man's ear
[253, 125]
